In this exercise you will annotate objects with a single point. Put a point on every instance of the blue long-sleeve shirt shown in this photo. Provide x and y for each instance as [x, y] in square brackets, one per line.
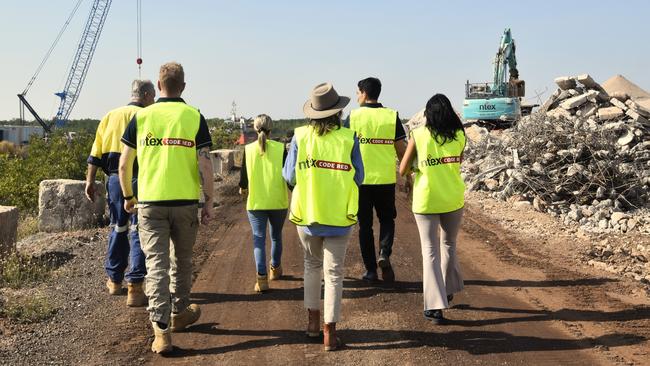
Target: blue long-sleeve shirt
[289, 174]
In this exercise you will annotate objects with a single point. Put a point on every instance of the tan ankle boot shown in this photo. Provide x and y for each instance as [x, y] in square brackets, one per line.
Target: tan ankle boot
[275, 272]
[135, 296]
[162, 342]
[114, 288]
[313, 325]
[330, 340]
[261, 283]
[186, 317]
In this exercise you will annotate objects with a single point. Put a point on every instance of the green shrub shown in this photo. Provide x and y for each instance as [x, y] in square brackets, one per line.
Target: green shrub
[18, 271]
[57, 157]
[27, 309]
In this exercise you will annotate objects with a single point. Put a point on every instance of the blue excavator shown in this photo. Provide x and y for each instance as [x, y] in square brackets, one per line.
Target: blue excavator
[497, 103]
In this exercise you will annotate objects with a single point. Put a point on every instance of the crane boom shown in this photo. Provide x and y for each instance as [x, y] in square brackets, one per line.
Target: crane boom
[82, 59]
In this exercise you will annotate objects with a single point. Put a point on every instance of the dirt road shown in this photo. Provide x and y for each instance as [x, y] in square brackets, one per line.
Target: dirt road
[520, 306]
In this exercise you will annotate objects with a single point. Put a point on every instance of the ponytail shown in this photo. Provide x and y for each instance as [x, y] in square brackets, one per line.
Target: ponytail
[262, 136]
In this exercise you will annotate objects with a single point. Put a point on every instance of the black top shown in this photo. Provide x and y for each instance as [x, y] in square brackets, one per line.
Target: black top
[400, 134]
[243, 174]
[202, 138]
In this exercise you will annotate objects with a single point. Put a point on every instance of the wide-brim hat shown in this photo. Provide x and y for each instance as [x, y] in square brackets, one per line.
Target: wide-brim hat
[324, 102]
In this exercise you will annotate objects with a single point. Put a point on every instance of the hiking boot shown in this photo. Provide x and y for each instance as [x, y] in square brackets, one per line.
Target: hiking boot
[135, 295]
[435, 316]
[330, 341]
[114, 288]
[313, 326]
[162, 341]
[186, 317]
[262, 283]
[275, 272]
[370, 276]
[387, 273]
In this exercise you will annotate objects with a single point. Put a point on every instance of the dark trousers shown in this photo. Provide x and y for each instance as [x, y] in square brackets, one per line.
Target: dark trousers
[382, 198]
[121, 253]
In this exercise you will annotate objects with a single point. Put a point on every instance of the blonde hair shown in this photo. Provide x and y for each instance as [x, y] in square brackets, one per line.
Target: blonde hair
[172, 77]
[262, 125]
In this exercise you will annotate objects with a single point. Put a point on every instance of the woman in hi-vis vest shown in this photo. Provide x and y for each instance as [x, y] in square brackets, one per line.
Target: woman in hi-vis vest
[261, 178]
[434, 153]
[325, 167]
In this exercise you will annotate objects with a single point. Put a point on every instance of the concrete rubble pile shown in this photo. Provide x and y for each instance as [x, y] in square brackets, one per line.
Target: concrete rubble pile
[584, 157]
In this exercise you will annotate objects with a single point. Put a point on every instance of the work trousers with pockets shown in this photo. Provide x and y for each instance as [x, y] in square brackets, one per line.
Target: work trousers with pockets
[440, 268]
[259, 220]
[122, 254]
[169, 264]
[324, 255]
[381, 197]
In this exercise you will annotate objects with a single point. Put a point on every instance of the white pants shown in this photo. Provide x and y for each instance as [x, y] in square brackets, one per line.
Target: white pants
[440, 269]
[324, 255]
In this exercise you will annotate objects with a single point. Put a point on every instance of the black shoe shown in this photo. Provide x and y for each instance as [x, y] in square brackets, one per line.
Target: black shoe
[450, 298]
[387, 273]
[370, 276]
[435, 316]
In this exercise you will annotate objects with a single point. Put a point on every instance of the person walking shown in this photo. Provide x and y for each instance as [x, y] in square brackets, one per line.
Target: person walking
[438, 201]
[325, 166]
[172, 144]
[105, 155]
[261, 178]
[381, 137]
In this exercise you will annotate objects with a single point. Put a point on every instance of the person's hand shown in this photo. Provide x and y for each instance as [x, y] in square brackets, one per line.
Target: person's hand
[129, 205]
[207, 212]
[243, 191]
[90, 191]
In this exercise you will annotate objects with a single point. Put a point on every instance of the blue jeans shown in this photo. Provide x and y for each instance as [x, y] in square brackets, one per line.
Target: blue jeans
[120, 254]
[258, 220]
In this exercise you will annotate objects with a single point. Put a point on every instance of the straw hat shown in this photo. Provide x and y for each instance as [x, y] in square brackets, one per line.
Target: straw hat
[324, 102]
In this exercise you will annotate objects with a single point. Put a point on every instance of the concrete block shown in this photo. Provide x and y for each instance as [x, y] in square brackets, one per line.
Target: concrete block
[577, 101]
[617, 103]
[588, 81]
[8, 229]
[636, 117]
[588, 109]
[638, 108]
[565, 82]
[63, 206]
[609, 113]
[223, 161]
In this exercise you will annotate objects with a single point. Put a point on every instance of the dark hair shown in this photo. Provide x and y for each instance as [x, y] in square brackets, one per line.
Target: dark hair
[441, 119]
[370, 86]
[327, 124]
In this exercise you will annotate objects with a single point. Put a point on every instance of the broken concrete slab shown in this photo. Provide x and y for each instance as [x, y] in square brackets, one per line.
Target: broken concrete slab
[638, 108]
[8, 229]
[588, 81]
[636, 117]
[565, 82]
[609, 113]
[588, 109]
[578, 100]
[63, 206]
[223, 161]
[617, 103]
[622, 96]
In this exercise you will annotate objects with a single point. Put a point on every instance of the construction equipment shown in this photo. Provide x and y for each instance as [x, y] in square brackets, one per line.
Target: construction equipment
[497, 103]
[79, 68]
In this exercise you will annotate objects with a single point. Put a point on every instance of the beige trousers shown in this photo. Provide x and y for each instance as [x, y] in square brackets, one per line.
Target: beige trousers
[440, 268]
[169, 264]
[324, 255]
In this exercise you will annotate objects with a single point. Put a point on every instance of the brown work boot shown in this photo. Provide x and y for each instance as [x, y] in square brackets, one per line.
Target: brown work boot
[186, 317]
[313, 325]
[162, 341]
[330, 340]
[114, 288]
[135, 296]
[261, 283]
[275, 272]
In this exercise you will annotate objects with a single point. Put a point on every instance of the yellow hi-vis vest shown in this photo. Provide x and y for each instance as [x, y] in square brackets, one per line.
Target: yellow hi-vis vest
[166, 150]
[267, 189]
[325, 191]
[438, 186]
[375, 128]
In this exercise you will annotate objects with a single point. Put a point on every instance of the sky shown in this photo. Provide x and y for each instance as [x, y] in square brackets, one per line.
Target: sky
[268, 55]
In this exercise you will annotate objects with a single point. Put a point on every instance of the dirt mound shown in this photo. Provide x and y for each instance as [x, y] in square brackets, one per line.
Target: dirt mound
[619, 84]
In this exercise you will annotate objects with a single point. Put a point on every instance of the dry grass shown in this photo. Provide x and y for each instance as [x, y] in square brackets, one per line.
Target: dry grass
[27, 226]
[18, 271]
[27, 308]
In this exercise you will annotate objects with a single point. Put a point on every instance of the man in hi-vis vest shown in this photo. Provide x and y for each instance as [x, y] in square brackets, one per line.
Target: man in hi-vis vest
[172, 143]
[381, 140]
